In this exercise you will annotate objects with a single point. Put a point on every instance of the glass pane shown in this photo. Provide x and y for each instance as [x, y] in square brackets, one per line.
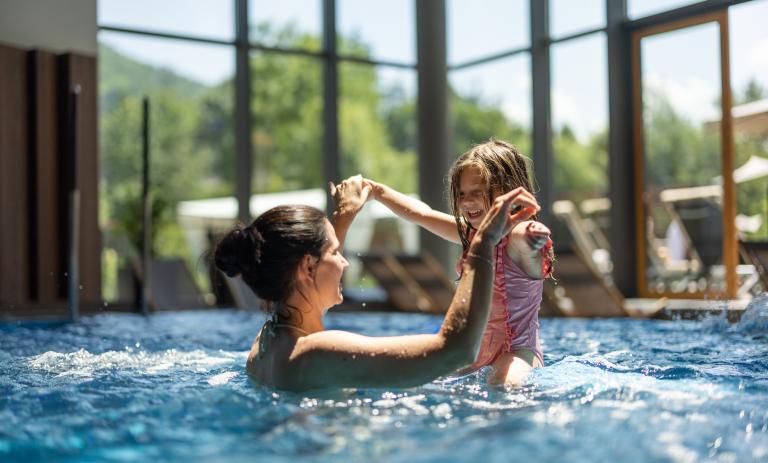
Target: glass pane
[192, 149]
[378, 30]
[203, 18]
[287, 133]
[682, 192]
[580, 126]
[488, 27]
[286, 24]
[640, 8]
[749, 80]
[492, 100]
[569, 17]
[377, 124]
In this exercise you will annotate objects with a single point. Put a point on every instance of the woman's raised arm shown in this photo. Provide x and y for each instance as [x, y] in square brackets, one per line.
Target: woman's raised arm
[333, 359]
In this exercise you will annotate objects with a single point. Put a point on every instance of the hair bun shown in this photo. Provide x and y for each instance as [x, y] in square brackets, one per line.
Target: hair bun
[239, 251]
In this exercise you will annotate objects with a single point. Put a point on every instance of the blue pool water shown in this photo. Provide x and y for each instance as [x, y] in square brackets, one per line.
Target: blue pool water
[172, 387]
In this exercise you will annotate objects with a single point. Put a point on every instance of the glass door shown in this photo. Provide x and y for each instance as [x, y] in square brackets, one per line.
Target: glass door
[684, 192]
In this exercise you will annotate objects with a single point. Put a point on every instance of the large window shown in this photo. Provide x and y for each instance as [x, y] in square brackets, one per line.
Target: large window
[749, 81]
[382, 31]
[492, 101]
[191, 145]
[568, 17]
[287, 136]
[286, 24]
[211, 19]
[181, 55]
[477, 32]
[580, 138]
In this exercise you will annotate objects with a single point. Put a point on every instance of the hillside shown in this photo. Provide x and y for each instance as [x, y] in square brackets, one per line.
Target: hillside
[120, 75]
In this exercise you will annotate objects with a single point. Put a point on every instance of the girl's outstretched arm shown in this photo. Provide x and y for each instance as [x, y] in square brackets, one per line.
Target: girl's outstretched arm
[530, 247]
[413, 210]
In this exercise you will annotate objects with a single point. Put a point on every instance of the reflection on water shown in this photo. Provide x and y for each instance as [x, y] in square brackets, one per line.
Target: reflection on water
[173, 387]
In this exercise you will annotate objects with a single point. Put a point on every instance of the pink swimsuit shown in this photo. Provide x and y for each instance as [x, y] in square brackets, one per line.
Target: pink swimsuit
[514, 319]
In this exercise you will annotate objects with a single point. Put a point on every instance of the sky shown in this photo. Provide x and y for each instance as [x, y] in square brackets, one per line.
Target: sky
[683, 64]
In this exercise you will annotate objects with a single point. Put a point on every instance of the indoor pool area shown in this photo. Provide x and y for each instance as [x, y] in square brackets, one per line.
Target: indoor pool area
[172, 387]
[406, 231]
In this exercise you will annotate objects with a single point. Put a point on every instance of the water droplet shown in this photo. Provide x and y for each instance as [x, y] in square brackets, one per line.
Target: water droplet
[463, 299]
[359, 254]
[81, 287]
[363, 304]
[106, 303]
[354, 356]
[138, 344]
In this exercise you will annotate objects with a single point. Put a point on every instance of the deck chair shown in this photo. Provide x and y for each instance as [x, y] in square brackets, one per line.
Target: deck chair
[584, 235]
[701, 219]
[580, 288]
[700, 212]
[242, 296]
[413, 283]
[172, 286]
[755, 253]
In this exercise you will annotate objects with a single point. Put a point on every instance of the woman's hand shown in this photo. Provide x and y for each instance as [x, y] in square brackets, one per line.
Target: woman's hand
[375, 188]
[536, 234]
[350, 195]
[507, 211]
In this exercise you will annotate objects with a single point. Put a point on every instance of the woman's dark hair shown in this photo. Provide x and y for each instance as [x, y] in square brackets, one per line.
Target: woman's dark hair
[267, 252]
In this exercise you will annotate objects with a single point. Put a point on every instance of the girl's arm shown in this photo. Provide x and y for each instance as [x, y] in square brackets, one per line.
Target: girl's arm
[413, 210]
[336, 359]
[530, 247]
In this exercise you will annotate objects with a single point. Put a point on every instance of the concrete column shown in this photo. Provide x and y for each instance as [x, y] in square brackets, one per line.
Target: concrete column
[433, 120]
[621, 178]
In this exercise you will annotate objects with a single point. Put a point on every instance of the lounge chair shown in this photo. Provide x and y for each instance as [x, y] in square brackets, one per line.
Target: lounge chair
[755, 253]
[581, 288]
[414, 283]
[171, 286]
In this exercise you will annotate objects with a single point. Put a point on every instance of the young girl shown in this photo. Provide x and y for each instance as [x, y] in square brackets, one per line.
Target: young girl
[522, 259]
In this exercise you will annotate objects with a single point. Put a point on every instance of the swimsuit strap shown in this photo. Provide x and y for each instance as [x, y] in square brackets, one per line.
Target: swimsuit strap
[269, 330]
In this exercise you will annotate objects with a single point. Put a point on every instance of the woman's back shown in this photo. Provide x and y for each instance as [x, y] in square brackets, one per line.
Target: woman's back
[269, 357]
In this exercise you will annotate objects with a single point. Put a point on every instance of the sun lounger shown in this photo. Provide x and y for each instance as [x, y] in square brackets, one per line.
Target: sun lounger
[582, 288]
[755, 253]
[171, 286]
[414, 283]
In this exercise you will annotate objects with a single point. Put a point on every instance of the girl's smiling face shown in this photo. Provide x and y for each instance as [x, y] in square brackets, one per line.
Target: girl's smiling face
[473, 198]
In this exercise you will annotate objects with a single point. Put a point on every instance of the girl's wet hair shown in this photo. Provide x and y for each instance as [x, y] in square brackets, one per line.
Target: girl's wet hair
[502, 168]
[267, 253]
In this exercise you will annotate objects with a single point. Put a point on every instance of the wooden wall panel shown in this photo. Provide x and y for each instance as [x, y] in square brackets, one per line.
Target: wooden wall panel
[46, 251]
[77, 69]
[14, 220]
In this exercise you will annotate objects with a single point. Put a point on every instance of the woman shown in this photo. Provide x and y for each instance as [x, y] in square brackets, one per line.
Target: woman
[290, 256]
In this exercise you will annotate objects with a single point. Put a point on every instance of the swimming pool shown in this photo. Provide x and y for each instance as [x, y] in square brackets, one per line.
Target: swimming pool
[172, 387]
